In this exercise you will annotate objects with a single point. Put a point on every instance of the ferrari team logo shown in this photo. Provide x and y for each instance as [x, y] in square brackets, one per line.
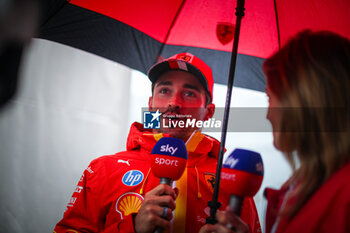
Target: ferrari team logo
[210, 180]
[185, 58]
[128, 203]
[225, 32]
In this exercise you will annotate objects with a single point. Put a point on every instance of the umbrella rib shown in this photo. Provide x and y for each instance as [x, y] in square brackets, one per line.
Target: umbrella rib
[277, 25]
[171, 26]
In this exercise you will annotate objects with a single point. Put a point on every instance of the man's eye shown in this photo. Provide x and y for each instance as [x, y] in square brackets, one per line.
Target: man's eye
[190, 94]
[163, 91]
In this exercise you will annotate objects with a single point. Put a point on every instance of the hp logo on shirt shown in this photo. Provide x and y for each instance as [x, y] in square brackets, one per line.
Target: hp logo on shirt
[151, 120]
[132, 178]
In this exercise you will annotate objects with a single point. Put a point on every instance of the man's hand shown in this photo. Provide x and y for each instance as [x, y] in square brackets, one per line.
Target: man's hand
[228, 222]
[150, 214]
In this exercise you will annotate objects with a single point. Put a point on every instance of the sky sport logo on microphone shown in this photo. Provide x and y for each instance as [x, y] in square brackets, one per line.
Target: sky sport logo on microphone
[169, 158]
[168, 161]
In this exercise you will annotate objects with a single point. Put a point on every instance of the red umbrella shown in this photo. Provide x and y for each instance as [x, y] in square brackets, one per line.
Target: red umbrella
[136, 33]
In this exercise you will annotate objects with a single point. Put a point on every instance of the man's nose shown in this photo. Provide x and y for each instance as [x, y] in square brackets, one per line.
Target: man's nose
[176, 101]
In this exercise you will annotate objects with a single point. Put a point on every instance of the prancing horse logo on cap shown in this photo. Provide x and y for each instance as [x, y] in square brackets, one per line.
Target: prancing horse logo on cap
[185, 58]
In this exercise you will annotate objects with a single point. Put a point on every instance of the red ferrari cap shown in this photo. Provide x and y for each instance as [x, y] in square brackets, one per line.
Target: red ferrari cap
[185, 62]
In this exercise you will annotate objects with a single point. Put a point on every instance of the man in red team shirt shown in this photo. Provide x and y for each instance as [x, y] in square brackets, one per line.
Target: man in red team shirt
[118, 193]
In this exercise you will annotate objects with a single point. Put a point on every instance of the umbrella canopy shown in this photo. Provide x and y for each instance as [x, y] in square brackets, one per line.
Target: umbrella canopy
[136, 32]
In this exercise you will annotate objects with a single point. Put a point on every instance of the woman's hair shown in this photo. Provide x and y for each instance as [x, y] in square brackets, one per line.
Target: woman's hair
[310, 76]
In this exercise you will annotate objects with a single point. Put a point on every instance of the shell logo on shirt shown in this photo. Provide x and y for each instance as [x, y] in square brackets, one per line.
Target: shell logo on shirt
[128, 203]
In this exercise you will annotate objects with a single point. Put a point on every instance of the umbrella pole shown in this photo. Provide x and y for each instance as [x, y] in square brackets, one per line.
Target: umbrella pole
[214, 204]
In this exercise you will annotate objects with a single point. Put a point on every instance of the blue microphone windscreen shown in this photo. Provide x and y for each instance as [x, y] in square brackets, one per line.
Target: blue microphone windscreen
[245, 160]
[170, 146]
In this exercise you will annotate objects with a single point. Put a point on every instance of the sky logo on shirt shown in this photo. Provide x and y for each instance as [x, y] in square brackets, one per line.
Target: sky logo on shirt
[132, 178]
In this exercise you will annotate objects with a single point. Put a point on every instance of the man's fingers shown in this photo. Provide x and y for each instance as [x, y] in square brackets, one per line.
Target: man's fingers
[161, 217]
[229, 219]
[151, 216]
[221, 217]
[163, 189]
[156, 219]
[177, 191]
[162, 195]
[156, 209]
[160, 201]
[165, 213]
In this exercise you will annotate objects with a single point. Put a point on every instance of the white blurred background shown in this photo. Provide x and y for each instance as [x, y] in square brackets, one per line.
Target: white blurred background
[72, 107]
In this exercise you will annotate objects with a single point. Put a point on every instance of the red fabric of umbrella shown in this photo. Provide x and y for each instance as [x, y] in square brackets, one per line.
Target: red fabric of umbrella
[136, 32]
[195, 21]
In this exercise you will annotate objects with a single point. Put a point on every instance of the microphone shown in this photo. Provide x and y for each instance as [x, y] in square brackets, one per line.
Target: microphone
[168, 162]
[168, 159]
[241, 176]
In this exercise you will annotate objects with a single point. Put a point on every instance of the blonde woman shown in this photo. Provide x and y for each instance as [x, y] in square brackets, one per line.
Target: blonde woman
[308, 84]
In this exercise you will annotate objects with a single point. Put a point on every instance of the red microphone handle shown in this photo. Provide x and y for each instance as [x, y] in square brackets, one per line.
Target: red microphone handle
[236, 203]
[169, 182]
